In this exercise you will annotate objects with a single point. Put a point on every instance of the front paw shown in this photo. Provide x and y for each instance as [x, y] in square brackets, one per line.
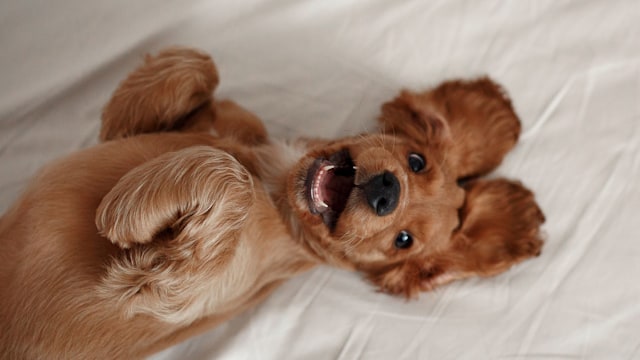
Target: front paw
[194, 193]
[500, 226]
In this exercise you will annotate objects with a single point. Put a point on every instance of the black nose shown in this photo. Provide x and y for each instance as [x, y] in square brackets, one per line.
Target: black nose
[382, 193]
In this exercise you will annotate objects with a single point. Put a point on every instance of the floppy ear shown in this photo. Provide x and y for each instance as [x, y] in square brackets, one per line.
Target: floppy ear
[481, 123]
[500, 228]
[170, 91]
[172, 216]
[407, 116]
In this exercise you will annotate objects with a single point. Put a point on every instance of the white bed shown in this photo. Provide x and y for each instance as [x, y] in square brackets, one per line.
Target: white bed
[322, 68]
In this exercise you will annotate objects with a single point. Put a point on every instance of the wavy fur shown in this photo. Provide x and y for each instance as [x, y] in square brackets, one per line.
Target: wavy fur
[188, 213]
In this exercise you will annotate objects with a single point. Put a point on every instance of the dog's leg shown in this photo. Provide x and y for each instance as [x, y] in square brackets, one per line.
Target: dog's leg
[500, 228]
[234, 121]
[177, 218]
[481, 123]
[170, 91]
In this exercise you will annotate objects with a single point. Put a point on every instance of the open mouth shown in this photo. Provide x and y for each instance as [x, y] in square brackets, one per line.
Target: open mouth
[329, 183]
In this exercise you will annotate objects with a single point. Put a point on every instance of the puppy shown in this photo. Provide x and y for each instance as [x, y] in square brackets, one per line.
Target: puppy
[187, 213]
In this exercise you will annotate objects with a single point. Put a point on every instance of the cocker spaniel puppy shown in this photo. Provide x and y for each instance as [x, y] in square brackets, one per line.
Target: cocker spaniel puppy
[188, 213]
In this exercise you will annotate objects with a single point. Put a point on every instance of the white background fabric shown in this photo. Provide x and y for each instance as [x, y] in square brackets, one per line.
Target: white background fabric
[322, 68]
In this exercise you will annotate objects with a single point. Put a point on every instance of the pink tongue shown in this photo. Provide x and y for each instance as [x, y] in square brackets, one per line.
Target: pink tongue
[334, 190]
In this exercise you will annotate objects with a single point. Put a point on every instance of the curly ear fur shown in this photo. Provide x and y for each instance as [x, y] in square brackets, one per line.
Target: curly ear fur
[479, 116]
[405, 116]
[500, 228]
[190, 204]
[165, 93]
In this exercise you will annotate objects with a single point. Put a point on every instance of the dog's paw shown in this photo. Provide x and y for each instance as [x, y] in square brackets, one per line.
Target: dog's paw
[190, 194]
[161, 94]
[500, 227]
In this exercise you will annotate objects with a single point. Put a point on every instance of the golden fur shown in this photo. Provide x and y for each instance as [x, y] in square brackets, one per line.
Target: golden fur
[187, 213]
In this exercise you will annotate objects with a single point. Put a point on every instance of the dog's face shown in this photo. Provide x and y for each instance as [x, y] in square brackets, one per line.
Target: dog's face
[388, 203]
[376, 201]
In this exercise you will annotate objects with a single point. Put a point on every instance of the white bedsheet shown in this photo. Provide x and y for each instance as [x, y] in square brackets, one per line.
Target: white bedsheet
[322, 68]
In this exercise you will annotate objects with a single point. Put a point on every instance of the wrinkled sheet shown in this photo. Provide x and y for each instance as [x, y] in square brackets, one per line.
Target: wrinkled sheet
[322, 68]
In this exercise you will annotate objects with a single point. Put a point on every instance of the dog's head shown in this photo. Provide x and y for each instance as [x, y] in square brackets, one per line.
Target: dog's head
[386, 203]
[379, 199]
[376, 198]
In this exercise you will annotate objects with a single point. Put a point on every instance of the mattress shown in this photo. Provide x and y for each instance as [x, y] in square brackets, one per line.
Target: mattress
[322, 68]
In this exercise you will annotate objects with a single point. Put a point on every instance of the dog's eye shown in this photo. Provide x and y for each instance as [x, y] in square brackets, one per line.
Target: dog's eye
[416, 162]
[404, 240]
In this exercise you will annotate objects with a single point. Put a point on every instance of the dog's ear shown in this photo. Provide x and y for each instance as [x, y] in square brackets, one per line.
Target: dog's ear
[172, 216]
[500, 227]
[169, 91]
[407, 116]
[412, 276]
[480, 121]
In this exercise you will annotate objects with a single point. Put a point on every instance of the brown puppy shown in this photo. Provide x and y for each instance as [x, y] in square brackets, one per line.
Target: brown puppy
[188, 214]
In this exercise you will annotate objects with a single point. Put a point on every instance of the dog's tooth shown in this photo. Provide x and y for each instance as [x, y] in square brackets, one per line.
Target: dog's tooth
[323, 204]
[328, 167]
